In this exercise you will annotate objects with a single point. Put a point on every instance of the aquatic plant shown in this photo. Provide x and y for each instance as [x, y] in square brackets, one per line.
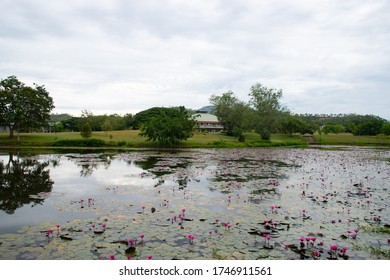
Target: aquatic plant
[316, 255]
[191, 239]
[333, 252]
[267, 238]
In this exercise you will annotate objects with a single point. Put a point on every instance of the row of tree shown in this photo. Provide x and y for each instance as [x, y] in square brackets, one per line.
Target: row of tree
[66, 122]
[265, 114]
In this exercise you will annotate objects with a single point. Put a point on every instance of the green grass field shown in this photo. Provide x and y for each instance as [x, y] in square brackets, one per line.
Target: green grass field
[349, 139]
[131, 138]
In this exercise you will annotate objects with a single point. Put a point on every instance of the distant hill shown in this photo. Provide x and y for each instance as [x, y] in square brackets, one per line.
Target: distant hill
[206, 109]
[59, 117]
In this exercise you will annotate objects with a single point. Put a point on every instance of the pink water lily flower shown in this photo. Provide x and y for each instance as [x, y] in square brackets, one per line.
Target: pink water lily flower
[191, 238]
[333, 247]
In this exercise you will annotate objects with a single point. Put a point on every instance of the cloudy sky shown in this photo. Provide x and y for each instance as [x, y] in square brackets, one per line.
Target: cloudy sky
[124, 56]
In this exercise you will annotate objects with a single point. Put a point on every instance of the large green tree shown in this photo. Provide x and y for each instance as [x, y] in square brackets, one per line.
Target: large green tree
[370, 125]
[23, 107]
[169, 127]
[292, 124]
[143, 117]
[231, 112]
[386, 129]
[268, 109]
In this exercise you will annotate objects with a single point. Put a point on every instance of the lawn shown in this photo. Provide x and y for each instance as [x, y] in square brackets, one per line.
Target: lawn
[131, 138]
[350, 139]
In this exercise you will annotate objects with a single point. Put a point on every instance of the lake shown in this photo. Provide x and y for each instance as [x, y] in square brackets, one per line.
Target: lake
[247, 204]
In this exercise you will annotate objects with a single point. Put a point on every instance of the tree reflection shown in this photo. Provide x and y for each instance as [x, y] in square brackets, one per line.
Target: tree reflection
[178, 167]
[20, 182]
[148, 164]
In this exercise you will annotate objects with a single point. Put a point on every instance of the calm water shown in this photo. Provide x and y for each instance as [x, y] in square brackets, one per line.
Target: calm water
[321, 193]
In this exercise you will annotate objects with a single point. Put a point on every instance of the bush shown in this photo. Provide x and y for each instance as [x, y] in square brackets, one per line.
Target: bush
[122, 143]
[86, 130]
[241, 138]
[92, 142]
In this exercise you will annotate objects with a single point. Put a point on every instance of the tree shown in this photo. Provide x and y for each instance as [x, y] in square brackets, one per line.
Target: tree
[106, 126]
[58, 127]
[23, 107]
[265, 102]
[128, 119]
[72, 124]
[169, 128]
[292, 124]
[86, 130]
[146, 115]
[337, 128]
[231, 112]
[370, 125]
[386, 129]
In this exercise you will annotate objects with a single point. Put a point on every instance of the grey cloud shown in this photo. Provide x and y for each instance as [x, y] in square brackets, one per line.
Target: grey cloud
[137, 54]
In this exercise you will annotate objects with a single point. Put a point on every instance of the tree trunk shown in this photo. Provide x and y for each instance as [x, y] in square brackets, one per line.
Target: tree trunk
[18, 133]
[11, 132]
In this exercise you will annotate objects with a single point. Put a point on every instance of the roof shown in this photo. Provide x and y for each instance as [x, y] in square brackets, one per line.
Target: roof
[202, 117]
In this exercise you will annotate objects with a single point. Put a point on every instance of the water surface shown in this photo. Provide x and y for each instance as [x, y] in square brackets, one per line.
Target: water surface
[236, 203]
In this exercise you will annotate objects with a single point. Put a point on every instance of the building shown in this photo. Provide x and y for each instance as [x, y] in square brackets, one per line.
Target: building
[207, 122]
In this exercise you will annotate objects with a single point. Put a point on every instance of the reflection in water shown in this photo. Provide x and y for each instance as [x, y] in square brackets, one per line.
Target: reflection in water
[25, 180]
[20, 180]
[148, 163]
[165, 165]
[90, 162]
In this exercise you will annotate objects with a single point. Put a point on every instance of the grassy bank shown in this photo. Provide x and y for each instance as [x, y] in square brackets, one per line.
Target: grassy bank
[131, 139]
[349, 139]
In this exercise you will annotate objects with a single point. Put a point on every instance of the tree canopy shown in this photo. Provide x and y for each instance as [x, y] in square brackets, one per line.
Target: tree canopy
[169, 127]
[231, 112]
[23, 107]
[144, 116]
[266, 103]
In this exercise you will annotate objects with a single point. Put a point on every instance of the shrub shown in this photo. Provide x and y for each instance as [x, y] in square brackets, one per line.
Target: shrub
[86, 130]
[92, 142]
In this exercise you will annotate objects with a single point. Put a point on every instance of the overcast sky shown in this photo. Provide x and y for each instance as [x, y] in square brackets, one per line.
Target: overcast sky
[112, 56]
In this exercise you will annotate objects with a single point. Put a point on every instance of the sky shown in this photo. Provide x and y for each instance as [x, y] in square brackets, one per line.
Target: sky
[113, 56]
